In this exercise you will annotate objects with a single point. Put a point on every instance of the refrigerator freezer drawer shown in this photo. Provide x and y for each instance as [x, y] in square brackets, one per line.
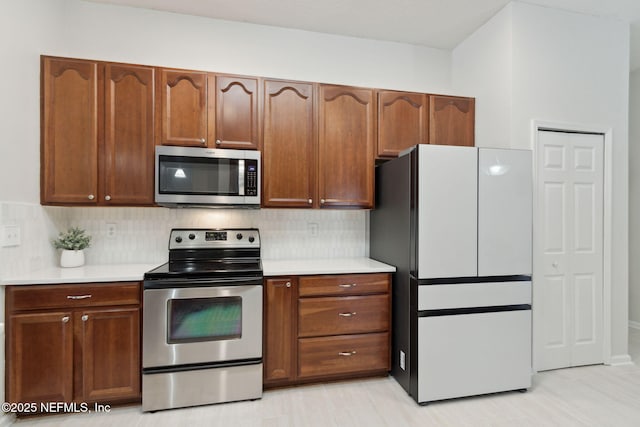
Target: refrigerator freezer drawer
[465, 295]
[473, 354]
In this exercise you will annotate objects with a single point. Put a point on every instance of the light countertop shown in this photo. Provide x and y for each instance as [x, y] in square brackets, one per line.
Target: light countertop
[324, 266]
[84, 274]
[135, 272]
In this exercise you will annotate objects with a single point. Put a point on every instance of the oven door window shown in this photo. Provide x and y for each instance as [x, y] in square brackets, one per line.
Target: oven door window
[199, 176]
[204, 319]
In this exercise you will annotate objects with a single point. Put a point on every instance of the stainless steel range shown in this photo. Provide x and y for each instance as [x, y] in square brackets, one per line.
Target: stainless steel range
[202, 322]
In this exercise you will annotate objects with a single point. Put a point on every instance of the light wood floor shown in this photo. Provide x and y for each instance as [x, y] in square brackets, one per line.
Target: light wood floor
[588, 396]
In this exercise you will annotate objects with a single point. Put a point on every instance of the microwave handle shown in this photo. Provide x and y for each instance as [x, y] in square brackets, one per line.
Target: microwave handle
[241, 177]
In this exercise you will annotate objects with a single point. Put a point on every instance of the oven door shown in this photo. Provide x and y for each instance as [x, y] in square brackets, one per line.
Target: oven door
[204, 324]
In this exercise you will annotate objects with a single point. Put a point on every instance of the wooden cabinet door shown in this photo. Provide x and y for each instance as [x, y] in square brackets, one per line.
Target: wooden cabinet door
[288, 145]
[128, 156]
[40, 357]
[346, 146]
[183, 107]
[279, 329]
[71, 124]
[236, 119]
[452, 120]
[110, 345]
[402, 121]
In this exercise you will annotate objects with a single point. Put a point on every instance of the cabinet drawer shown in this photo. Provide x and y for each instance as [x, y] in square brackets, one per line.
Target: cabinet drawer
[343, 315]
[344, 284]
[38, 297]
[343, 354]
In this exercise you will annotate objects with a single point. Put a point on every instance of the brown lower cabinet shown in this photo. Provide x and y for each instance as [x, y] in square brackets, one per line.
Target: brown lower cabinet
[326, 327]
[73, 343]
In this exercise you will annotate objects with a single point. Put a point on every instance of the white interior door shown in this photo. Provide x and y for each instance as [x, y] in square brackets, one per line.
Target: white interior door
[568, 250]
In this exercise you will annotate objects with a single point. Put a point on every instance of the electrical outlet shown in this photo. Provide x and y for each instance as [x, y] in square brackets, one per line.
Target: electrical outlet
[10, 235]
[111, 229]
[313, 227]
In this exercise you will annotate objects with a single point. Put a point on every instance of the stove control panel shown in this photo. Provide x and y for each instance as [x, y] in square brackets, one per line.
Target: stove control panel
[183, 238]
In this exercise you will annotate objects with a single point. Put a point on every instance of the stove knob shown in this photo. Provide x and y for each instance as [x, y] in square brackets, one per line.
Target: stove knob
[178, 239]
[192, 236]
[251, 239]
[239, 236]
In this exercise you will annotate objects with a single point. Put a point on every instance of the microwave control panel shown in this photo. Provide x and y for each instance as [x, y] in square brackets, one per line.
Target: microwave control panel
[251, 178]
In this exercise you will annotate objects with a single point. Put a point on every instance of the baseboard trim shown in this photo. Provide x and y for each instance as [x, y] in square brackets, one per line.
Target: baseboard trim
[620, 360]
[634, 325]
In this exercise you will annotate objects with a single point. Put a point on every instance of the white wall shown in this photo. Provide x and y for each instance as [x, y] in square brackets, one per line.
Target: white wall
[634, 199]
[81, 29]
[565, 67]
[486, 73]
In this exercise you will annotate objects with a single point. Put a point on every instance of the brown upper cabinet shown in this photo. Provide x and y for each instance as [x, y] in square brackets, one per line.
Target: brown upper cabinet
[403, 121]
[183, 107]
[236, 121]
[288, 145]
[346, 143]
[202, 109]
[452, 120]
[97, 133]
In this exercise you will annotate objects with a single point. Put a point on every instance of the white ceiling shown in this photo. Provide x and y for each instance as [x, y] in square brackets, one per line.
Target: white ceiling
[434, 23]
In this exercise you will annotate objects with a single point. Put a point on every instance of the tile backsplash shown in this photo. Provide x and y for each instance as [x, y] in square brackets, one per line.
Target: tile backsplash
[142, 234]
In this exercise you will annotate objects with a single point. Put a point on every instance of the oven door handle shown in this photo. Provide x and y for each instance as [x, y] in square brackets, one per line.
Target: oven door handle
[200, 282]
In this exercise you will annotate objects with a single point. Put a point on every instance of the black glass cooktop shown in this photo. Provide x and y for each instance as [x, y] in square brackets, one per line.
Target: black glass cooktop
[207, 269]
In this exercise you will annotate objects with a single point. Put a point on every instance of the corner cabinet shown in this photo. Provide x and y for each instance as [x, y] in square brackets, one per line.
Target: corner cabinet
[83, 339]
[346, 143]
[326, 327]
[452, 120]
[97, 133]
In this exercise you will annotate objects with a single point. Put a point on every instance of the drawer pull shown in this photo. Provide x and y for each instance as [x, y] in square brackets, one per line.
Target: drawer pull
[85, 317]
[78, 296]
[65, 319]
[347, 353]
[351, 314]
[347, 285]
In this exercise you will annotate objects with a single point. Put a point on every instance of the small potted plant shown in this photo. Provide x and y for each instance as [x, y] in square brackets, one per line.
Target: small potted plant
[72, 242]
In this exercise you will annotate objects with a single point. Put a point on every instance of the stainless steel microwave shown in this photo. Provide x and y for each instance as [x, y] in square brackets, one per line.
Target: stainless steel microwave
[193, 176]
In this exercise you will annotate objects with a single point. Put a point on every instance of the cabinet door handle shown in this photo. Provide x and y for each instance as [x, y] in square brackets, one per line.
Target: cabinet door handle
[310, 201]
[347, 353]
[279, 285]
[85, 317]
[322, 201]
[203, 141]
[351, 314]
[91, 197]
[347, 285]
[65, 319]
[78, 296]
[218, 142]
[107, 197]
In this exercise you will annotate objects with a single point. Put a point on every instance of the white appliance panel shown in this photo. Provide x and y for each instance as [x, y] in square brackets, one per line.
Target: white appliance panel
[447, 211]
[472, 354]
[505, 210]
[465, 295]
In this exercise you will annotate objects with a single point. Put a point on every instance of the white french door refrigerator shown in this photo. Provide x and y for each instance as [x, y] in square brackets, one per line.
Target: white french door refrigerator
[456, 222]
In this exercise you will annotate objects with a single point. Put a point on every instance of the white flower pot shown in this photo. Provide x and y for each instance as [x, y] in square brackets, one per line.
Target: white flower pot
[70, 258]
